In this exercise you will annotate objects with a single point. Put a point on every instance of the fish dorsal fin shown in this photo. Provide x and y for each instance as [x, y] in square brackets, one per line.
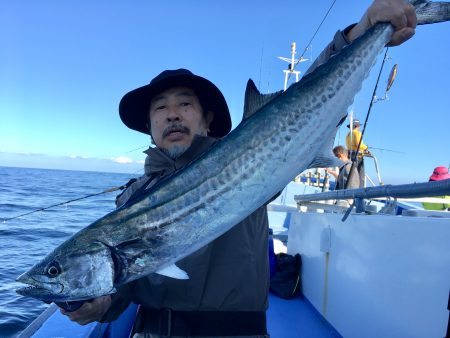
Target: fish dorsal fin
[254, 100]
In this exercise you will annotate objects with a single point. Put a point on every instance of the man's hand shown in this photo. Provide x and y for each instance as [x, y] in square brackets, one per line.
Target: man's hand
[332, 172]
[399, 13]
[89, 312]
[367, 153]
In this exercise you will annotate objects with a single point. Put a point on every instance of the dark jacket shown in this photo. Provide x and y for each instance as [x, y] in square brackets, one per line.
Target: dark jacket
[230, 273]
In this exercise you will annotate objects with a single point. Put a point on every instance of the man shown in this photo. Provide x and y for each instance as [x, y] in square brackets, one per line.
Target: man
[342, 176]
[352, 140]
[226, 294]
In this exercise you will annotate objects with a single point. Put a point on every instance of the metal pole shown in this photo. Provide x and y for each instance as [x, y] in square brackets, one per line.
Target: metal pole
[412, 190]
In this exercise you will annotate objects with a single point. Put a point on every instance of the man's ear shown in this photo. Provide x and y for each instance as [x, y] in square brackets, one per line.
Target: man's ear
[209, 118]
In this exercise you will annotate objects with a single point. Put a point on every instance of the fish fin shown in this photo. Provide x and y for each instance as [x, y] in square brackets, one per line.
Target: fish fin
[429, 12]
[325, 161]
[326, 158]
[173, 271]
[254, 100]
[341, 122]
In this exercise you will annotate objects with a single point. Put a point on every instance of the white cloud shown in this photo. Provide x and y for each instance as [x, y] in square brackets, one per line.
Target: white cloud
[122, 160]
[78, 157]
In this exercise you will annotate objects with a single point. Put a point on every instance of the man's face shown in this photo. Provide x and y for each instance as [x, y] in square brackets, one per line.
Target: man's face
[176, 116]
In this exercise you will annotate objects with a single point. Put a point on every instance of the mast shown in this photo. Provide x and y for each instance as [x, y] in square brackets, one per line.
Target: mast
[292, 63]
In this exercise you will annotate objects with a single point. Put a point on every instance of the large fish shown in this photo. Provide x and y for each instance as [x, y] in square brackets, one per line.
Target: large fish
[282, 135]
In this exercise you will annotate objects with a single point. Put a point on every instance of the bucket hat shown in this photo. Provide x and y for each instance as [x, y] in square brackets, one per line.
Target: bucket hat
[355, 122]
[134, 106]
[440, 173]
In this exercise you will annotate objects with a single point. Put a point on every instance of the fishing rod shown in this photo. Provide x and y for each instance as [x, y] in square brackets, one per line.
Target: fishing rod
[390, 150]
[130, 151]
[325, 181]
[372, 101]
[70, 201]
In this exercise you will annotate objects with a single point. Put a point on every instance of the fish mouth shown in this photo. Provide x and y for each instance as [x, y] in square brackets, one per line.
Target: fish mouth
[33, 291]
[38, 289]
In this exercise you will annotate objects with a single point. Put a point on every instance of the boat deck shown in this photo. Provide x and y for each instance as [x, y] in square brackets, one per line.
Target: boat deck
[295, 318]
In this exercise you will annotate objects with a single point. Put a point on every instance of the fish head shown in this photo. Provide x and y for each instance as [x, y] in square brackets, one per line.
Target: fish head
[69, 274]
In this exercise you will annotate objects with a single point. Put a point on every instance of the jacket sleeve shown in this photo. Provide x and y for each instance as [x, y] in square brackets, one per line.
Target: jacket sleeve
[339, 41]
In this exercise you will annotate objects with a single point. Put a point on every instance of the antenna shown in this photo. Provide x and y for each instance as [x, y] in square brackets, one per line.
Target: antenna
[292, 63]
[350, 119]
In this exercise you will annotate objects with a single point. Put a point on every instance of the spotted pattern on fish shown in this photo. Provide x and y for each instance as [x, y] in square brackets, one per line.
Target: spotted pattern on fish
[197, 204]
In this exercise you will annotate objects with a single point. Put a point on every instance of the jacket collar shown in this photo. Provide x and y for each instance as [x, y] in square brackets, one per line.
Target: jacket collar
[158, 162]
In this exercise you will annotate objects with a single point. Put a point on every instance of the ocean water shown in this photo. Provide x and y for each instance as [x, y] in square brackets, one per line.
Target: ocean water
[26, 240]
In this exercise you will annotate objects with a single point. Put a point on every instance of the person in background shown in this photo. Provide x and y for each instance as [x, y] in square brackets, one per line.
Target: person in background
[352, 141]
[439, 173]
[227, 292]
[343, 174]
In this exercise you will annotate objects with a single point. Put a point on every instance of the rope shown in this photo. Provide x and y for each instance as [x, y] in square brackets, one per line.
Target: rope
[317, 30]
[314, 35]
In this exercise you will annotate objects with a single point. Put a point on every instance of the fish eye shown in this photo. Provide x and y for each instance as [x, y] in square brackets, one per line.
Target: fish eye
[53, 269]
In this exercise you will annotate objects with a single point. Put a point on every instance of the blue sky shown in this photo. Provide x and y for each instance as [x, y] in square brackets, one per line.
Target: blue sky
[64, 66]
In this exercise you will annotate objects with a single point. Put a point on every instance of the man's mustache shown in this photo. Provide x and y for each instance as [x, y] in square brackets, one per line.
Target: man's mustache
[176, 128]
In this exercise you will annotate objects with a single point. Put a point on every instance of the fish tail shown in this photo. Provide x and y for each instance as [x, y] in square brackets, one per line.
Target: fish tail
[428, 12]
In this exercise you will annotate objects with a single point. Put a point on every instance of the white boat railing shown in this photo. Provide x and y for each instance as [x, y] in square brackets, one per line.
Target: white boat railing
[377, 171]
[357, 196]
[413, 190]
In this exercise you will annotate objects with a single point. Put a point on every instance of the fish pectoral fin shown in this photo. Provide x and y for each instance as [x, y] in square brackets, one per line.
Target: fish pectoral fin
[325, 161]
[326, 158]
[173, 271]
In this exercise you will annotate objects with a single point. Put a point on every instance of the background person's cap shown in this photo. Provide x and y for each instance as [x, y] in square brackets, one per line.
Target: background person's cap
[440, 173]
[355, 123]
